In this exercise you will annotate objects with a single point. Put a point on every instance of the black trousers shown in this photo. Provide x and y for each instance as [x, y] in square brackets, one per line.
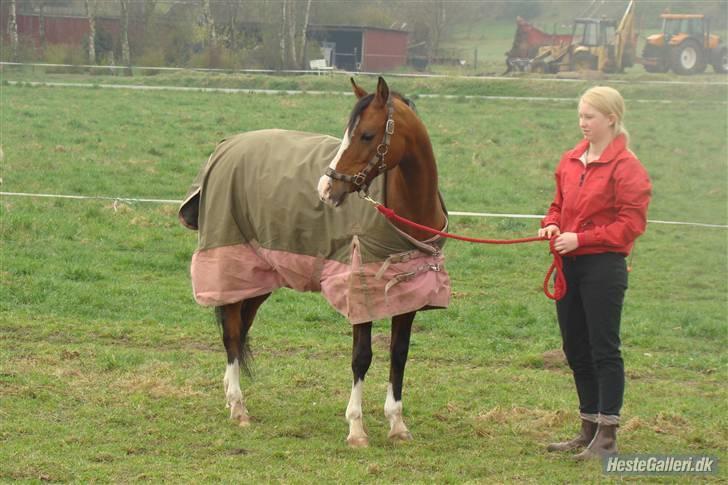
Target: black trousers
[589, 318]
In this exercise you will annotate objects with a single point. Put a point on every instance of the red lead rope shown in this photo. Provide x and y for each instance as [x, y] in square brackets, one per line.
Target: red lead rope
[557, 264]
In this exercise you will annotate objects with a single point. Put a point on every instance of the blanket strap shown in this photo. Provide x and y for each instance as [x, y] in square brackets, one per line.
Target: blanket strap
[395, 258]
[397, 279]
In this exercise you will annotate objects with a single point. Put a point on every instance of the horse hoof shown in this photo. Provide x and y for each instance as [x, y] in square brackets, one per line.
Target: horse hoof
[358, 442]
[239, 414]
[401, 436]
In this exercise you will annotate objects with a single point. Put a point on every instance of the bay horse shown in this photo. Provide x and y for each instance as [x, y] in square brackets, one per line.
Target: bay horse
[371, 146]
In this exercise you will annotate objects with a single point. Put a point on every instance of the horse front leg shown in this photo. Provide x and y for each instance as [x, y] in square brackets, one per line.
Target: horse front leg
[399, 348]
[361, 359]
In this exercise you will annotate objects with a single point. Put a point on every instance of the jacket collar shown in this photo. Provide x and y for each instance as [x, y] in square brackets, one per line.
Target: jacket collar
[611, 152]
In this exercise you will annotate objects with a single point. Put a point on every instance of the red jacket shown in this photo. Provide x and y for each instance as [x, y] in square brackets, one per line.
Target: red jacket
[605, 203]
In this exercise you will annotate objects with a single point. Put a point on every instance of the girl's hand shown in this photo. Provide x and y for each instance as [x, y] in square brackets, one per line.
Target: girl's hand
[566, 242]
[549, 231]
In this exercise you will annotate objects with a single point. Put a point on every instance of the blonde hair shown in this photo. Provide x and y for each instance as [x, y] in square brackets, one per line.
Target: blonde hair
[608, 101]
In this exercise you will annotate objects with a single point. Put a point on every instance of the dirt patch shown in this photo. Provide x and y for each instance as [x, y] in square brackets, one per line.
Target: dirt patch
[632, 424]
[534, 422]
[450, 410]
[381, 340]
[70, 354]
[554, 359]
[669, 423]
[237, 451]
[154, 384]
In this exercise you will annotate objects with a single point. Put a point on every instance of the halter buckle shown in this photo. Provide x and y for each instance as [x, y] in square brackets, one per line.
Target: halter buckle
[359, 179]
[389, 129]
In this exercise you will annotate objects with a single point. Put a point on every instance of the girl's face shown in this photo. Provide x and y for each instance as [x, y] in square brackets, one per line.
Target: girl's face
[594, 125]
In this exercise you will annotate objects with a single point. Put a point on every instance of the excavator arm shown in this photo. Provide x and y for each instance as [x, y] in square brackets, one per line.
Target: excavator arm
[624, 35]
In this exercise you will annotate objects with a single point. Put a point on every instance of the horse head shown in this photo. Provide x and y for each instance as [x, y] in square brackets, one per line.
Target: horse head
[368, 148]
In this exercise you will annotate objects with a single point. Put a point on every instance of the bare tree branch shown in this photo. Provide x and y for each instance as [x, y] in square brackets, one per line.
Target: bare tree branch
[125, 54]
[304, 36]
[13, 29]
[91, 14]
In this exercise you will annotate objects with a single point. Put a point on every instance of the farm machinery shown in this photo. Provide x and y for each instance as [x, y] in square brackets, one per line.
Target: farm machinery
[527, 43]
[595, 44]
[685, 45]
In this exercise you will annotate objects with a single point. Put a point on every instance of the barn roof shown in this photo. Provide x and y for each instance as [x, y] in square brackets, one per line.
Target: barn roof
[353, 28]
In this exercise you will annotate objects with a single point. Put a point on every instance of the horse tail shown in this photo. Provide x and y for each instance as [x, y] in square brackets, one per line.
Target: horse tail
[245, 358]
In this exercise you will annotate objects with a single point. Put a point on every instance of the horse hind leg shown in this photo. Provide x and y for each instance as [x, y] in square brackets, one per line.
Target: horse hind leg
[236, 320]
[399, 348]
[361, 359]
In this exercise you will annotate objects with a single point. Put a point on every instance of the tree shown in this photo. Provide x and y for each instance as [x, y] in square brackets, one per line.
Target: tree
[91, 14]
[40, 4]
[292, 33]
[284, 23]
[209, 21]
[304, 35]
[438, 24]
[149, 7]
[232, 13]
[125, 54]
[13, 29]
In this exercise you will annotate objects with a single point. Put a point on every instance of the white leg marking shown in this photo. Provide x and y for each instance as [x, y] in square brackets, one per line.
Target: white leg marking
[234, 395]
[393, 412]
[357, 436]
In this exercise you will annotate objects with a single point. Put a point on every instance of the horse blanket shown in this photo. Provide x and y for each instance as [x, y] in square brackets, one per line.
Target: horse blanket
[261, 226]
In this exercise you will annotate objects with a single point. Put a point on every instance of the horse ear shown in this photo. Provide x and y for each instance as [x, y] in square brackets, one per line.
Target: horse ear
[358, 92]
[382, 91]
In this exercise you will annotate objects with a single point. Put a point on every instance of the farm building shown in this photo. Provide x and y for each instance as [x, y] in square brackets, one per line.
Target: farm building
[72, 30]
[355, 48]
[65, 23]
[362, 48]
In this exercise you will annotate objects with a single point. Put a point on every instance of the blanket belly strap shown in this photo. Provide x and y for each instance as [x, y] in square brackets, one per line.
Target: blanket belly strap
[399, 278]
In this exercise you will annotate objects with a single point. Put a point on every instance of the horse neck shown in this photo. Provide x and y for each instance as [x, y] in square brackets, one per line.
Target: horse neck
[412, 190]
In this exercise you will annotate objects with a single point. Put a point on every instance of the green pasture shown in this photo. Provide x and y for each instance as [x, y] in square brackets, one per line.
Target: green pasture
[109, 371]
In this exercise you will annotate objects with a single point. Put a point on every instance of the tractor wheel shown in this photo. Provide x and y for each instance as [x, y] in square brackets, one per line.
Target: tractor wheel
[583, 61]
[654, 53]
[688, 58]
[720, 62]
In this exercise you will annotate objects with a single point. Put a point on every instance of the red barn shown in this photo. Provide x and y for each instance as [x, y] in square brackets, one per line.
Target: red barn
[362, 48]
[61, 30]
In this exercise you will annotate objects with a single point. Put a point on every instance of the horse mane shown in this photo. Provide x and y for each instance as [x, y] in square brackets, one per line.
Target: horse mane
[361, 105]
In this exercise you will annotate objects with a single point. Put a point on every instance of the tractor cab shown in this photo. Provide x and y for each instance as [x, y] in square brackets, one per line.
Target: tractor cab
[678, 27]
[685, 45]
[594, 32]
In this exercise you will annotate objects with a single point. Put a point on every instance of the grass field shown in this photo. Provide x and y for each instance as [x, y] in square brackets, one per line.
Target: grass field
[110, 372]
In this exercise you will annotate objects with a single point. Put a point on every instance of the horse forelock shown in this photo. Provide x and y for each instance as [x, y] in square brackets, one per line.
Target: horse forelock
[362, 104]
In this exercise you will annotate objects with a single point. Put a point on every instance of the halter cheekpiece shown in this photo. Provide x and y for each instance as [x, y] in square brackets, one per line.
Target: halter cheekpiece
[358, 181]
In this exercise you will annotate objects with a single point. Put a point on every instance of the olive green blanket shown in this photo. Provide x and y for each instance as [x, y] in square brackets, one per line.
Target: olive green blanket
[257, 210]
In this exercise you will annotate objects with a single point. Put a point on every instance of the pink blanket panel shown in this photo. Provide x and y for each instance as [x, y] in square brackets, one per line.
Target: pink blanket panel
[230, 274]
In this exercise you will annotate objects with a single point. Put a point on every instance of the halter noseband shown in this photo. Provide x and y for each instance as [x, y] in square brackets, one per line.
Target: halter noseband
[377, 161]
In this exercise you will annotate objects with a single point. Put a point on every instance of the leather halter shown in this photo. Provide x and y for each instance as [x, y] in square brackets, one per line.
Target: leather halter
[358, 181]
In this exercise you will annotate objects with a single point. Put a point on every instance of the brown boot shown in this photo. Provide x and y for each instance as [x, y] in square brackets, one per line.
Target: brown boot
[603, 444]
[588, 430]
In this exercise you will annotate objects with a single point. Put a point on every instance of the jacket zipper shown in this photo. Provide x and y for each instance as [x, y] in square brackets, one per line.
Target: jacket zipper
[583, 175]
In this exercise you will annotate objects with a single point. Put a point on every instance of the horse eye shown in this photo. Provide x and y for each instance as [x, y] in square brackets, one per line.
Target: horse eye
[367, 136]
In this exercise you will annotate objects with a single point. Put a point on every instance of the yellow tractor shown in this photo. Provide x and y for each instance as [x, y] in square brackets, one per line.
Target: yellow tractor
[685, 45]
[597, 44]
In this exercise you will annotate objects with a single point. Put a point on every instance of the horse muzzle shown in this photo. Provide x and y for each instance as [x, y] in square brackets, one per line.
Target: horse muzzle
[332, 192]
